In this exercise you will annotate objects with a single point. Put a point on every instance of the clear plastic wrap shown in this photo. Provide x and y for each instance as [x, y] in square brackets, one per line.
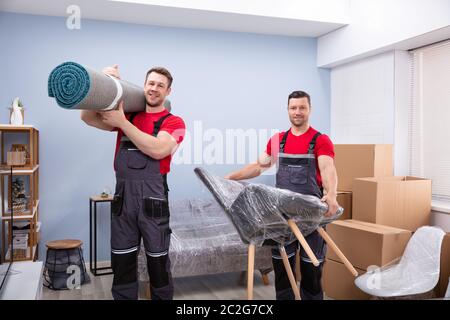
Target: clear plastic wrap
[260, 212]
[417, 271]
[204, 241]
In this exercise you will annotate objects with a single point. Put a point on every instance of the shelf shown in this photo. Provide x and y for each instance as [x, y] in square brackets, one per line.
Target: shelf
[27, 170]
[22, 216]
[101, 199]
[33, 255]
[24, 127]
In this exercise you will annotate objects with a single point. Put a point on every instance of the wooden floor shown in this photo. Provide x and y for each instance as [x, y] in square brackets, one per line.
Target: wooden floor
[227, 286]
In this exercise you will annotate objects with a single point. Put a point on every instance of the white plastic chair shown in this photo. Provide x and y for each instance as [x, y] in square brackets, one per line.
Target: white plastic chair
[416, 272]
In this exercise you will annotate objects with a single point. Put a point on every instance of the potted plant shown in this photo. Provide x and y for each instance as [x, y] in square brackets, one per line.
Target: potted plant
[16, 112]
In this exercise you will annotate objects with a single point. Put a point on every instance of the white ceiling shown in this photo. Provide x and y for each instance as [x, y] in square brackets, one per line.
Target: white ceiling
[303, 18]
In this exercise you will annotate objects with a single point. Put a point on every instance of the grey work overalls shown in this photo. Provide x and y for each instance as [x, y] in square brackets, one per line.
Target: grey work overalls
[140, 209]
[297, 172]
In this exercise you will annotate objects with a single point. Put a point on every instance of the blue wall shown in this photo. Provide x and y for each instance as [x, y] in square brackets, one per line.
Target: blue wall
[226, 80]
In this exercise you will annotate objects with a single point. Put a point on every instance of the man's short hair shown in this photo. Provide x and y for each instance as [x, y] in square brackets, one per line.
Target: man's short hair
[162, 71]
[299, 94]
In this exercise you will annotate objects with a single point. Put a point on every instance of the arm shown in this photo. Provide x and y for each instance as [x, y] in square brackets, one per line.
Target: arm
[157, 147]
[252, 170]
[329, 181]
[94, 119]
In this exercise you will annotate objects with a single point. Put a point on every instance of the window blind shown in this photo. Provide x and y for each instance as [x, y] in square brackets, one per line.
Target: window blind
[429, 128]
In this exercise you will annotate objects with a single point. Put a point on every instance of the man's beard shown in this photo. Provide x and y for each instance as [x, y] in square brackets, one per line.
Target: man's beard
[155, 104]
[298, 123]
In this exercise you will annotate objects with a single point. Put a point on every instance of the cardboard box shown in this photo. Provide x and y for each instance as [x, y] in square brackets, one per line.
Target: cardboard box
[366, 244]
[402, 202]
[339, 283]
[344, 198]
[444, 276]
[361, 160]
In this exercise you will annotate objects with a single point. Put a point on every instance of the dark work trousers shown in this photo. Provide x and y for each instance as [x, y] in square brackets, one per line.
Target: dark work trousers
[297, 172]
[140, 209]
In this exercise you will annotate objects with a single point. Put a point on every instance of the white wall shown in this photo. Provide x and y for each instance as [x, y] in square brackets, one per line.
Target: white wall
[369, 103]
[440, 219]
[362, 104]
[382, 25]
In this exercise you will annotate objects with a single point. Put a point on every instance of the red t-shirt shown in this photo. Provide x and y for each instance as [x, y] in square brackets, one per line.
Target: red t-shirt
[173, 125]
[300, 144]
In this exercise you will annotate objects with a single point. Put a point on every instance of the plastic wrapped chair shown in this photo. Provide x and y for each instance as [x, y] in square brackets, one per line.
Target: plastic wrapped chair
[268, 216]
[416, 272]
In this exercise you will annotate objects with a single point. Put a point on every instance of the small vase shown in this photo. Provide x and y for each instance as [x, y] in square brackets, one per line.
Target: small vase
[16, 116]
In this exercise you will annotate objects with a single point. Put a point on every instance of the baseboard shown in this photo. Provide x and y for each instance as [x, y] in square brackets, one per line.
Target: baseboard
[100, 264]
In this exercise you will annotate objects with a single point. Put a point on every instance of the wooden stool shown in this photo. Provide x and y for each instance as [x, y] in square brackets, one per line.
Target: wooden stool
[64, 244]
[64, 265]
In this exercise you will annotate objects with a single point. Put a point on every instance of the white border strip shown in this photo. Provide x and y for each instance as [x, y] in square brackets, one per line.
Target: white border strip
[125, 251]
[118, 95]
[156, 254]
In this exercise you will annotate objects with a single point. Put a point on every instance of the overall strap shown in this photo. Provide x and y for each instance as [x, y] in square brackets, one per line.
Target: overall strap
[312, 144]
[133, 115]
[157, 124]
[283, 141]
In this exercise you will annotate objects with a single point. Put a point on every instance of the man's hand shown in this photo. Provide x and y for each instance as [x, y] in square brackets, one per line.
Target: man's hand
[114, 118]
[112, 71]
[333, 205]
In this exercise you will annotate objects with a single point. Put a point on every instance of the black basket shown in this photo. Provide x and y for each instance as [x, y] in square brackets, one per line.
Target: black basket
[64, 269]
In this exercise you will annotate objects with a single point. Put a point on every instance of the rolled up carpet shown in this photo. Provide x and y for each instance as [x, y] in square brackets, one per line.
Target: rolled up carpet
[79, 87]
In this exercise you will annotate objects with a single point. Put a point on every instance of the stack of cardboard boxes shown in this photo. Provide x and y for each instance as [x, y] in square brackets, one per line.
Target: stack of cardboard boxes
[359, 160]
[385, 212]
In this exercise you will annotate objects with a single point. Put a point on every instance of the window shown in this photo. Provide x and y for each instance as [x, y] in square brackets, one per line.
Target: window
[429, 127]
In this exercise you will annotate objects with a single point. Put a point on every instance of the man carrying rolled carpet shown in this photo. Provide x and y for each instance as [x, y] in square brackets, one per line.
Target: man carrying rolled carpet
[145, 143]
[305, 165]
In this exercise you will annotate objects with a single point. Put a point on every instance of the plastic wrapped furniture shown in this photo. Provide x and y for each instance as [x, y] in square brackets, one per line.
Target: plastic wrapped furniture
[268, 216]
[203, 242]
[416, 272]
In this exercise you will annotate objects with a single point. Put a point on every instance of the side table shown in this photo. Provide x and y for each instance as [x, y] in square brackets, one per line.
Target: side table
[93, 201]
